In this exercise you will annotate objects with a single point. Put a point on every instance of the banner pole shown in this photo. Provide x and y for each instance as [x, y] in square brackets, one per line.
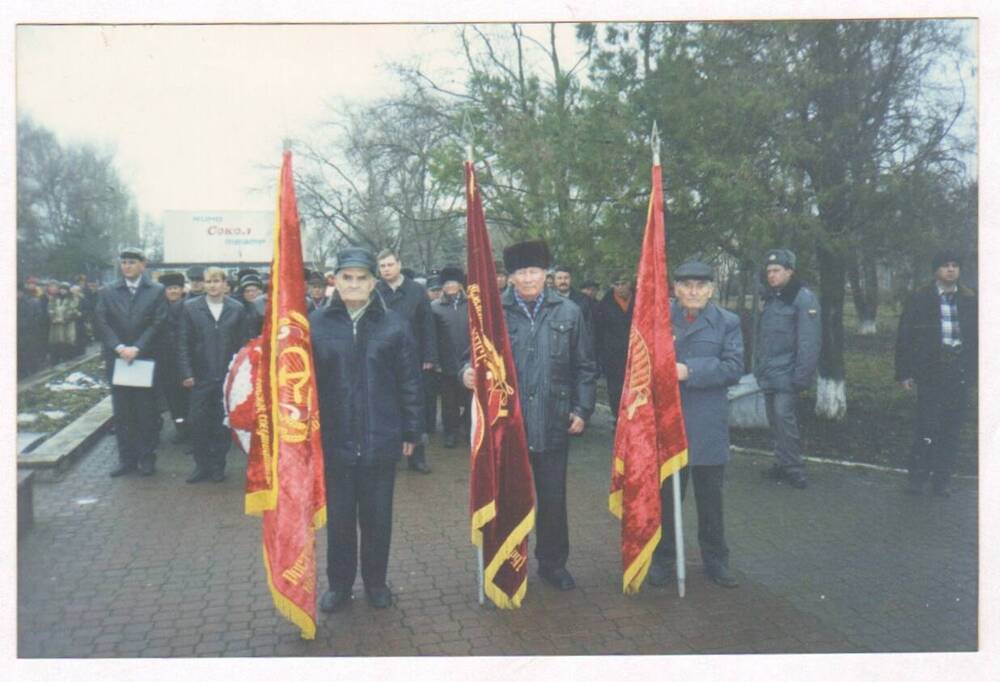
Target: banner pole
[679, 533]
[482, 586]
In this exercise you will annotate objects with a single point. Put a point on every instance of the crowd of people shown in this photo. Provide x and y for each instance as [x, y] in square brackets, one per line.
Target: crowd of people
[55, 322]
[390, 347]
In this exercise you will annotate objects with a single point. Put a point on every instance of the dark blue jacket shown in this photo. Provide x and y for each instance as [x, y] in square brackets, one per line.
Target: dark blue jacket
[369, 383]
[206, 346]
[556, 372]
[787, 343]
[712, 349]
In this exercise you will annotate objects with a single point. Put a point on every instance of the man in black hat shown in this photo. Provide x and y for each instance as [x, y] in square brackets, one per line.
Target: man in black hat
[368, 379]
[130, 318]
[709, 346]
[936, 353]
[167, 369]
[251, 288]
[786, 350]
[409, 299]
[196, 281]
[555, 378]
[451, 312]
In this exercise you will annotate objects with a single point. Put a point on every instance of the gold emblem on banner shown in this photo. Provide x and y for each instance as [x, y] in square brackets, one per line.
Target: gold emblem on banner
[484, 353]
[640, 372]
[302, 572]
[294, 376]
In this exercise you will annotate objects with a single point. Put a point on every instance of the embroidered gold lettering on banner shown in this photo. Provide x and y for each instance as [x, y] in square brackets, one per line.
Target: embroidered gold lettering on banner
[516, 559]
[484, 353]
[302, 571]
[640, 373]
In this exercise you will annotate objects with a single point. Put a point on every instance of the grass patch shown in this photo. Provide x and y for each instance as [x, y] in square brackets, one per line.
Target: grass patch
[878, 428]
[73, 403]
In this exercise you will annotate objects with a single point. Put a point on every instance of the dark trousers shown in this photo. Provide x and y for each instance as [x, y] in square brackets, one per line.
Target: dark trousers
[358, 496]
[419, 456]
[708, 500]
[137, 424]
[551, 528]
[782, 416]
[941, 408]
[615, 376]
[432, 386]
[209, 435]
[455, 403]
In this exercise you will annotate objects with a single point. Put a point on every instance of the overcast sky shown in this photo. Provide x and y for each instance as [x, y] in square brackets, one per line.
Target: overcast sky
[192, 112]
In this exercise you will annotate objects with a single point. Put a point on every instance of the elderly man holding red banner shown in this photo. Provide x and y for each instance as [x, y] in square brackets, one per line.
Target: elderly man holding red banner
[556, 374]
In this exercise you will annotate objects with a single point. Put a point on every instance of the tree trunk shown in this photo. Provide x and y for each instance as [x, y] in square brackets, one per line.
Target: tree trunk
[864, 292]
[831, 394]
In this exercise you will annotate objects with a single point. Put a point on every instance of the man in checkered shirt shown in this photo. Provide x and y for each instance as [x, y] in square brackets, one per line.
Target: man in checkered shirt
[936, 353]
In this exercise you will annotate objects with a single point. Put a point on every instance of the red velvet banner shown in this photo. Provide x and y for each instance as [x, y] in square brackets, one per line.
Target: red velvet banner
[650, 443]
[501, 487]
[285, 462]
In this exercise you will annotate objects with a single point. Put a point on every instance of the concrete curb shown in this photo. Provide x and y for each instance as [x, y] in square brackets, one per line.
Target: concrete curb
[93, 351]
[62, 448]
[755, 452]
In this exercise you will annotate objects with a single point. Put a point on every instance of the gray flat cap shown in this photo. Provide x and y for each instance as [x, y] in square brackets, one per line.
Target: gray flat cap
[694, 269]
[132, 252]
[782, 257]
[356, 257]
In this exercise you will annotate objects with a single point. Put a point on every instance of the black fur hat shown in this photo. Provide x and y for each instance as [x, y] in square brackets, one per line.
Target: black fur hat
[530, 254]
[450, 273]
[172, 279]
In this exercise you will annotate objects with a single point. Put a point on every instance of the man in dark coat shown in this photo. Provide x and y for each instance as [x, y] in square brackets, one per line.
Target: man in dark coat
[213, 329]
[29, 330]
[451, 312]
[250, 291]
[786, 350]
[130, 317]
[408, 298]
[555, 378]
[709, 346]
[368, 378]
[613, 324]
[936, 353]
[562, 278]
[196, 281]
[168, 368]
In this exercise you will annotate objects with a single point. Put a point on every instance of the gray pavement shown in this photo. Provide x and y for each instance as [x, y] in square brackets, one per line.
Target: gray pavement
[154, 567]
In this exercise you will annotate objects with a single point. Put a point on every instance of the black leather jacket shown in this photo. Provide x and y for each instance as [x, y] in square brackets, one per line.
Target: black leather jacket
[370, 396]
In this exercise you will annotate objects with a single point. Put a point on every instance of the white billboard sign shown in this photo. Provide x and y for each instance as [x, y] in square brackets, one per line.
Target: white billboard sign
[217, 236]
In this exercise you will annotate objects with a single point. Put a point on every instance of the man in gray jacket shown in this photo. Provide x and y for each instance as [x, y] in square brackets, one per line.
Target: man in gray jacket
[709, 346]
[786, 350]
[556, 374]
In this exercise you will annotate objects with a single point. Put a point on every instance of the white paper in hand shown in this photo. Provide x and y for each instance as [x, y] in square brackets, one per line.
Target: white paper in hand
[138, 374]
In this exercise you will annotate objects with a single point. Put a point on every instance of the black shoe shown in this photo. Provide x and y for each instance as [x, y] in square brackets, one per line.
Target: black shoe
[559, 578]
[334, 600]
[197, 475]
[379, 597]
[147, 468]
[122, 469]
[422, 467]
[774, 473]
[450, 440]
[218, 476]
[659, 575]
[720, 575]
[797, 479]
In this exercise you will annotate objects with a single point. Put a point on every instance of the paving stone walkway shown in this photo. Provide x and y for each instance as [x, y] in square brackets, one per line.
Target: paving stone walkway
[153, 567]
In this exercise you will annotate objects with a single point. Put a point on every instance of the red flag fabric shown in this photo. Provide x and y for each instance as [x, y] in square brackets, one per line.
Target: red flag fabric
[650, 442]
[501, 487]
[285, 461]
